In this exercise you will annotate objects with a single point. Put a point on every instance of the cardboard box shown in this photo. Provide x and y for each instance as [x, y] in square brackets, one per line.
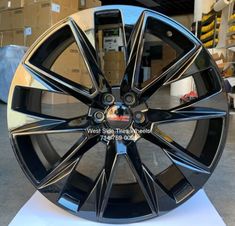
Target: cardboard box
[12, 37]
[15, 4]
[169, 54]
[71, 65]
[53, 98]
[86, 4]
[45, 14]
[73, 4]
[156, 67]
[114, 56]
[114, 66]
[48, 14]
[17, 18]
[6, 38]
[30, 15]
[81, 4]
[11, 4]
[4, 4]
[29, 2]
[6, 24]
[92, 3]
[113, 77]
[32, 34]
[11, 19]
[21, 36]
[18, 37]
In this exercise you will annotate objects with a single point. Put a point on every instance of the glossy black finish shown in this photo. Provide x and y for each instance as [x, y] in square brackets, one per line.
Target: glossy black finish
[167, 7]
[118, 118]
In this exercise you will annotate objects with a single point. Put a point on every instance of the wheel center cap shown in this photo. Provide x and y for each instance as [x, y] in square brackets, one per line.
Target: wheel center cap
[118, 117]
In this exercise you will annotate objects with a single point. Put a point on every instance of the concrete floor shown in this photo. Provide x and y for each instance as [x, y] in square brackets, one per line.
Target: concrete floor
[15, 189]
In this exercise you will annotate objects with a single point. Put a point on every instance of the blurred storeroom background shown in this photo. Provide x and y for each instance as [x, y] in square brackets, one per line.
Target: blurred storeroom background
[23, 21]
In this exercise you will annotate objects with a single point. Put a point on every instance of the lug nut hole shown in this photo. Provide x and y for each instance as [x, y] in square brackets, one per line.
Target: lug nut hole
[139, 117]
[130, 99]
[108, 99]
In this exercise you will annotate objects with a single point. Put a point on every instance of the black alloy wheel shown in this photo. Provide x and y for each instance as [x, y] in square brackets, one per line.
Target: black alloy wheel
[117, 151]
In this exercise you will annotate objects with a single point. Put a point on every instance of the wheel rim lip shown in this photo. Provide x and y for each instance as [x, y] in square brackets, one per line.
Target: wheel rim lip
[213, 164]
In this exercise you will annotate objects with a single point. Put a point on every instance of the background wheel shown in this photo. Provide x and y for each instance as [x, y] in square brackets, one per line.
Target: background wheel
[117, 151]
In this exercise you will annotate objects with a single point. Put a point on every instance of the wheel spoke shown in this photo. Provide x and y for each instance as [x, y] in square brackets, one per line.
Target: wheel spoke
[30, 120]
[136, 48]
[135, 53]
[201, 64]
[69, 160]
[111, 162]
[146, 182]
[164, 200]
[211, 102]
[63, 85]
[87, 192]
[173, 73]
[187, 114]
[202, 108]
[178, 155]
[52, 126]
[89, 55]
